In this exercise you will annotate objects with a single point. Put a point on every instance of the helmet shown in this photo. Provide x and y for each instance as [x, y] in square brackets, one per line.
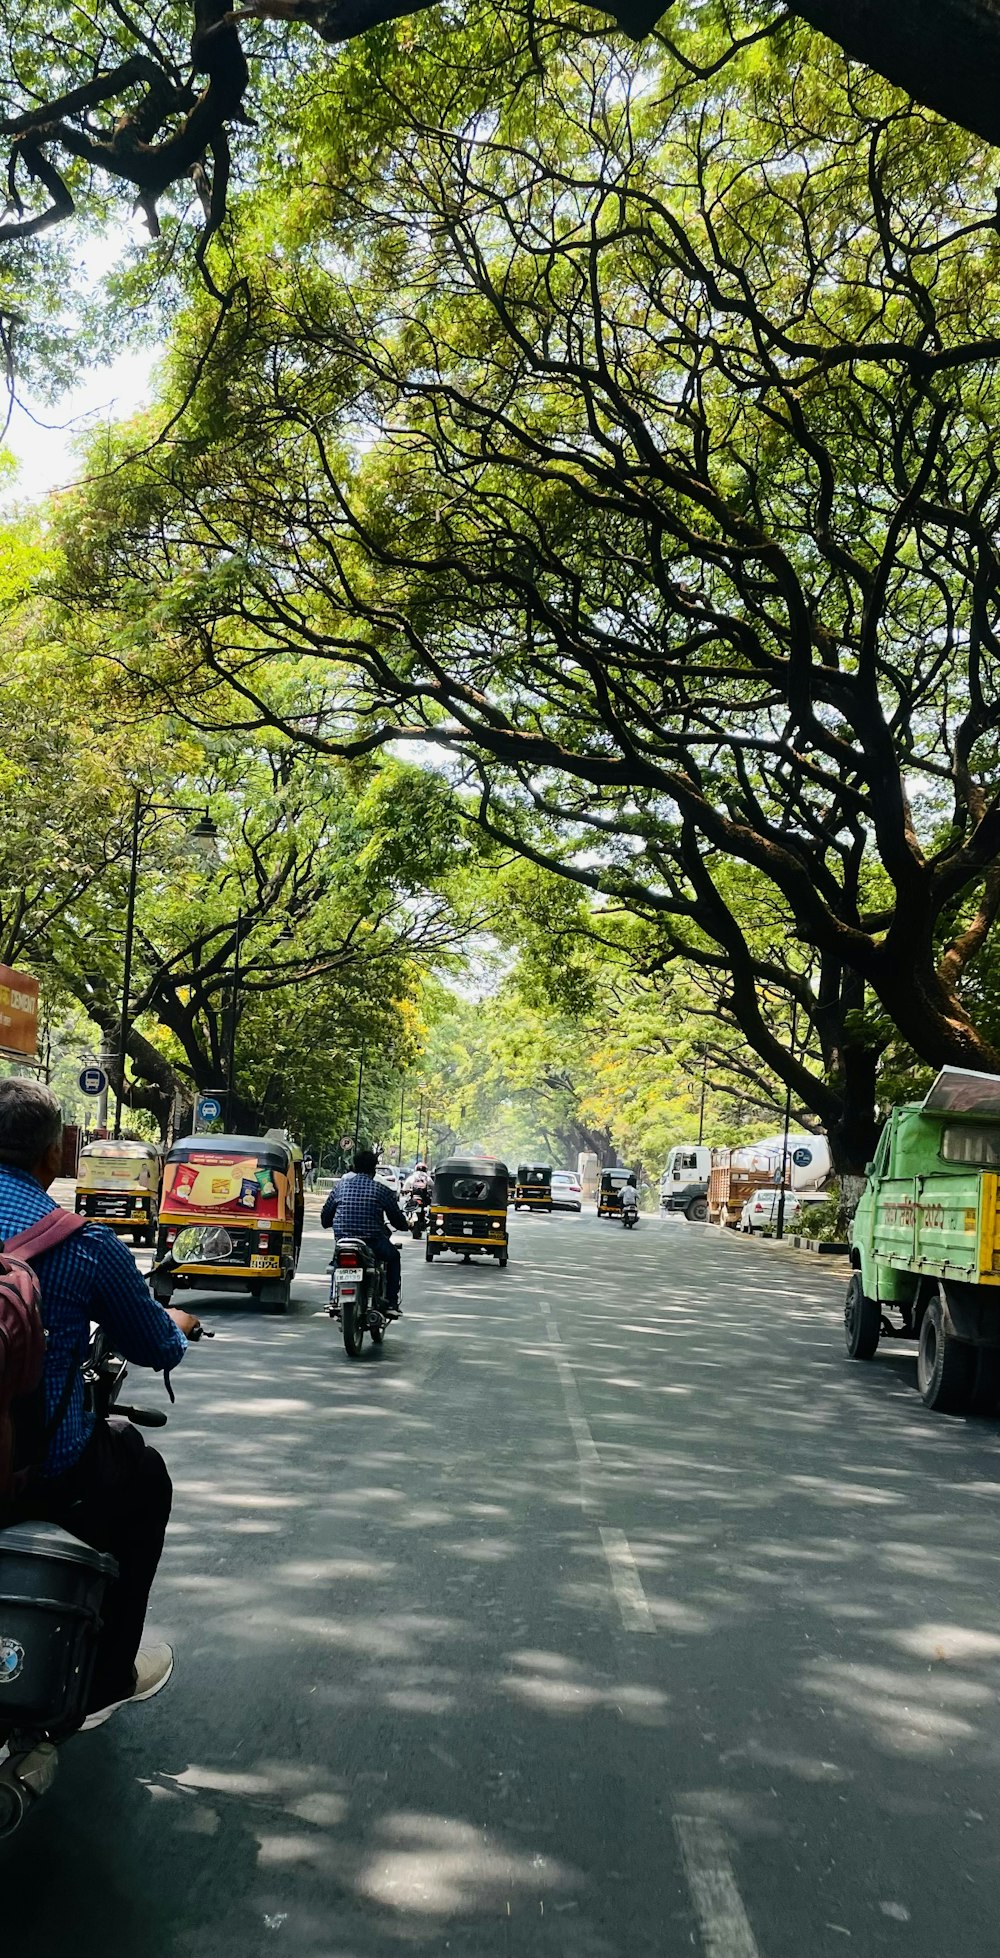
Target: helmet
[420, 1165]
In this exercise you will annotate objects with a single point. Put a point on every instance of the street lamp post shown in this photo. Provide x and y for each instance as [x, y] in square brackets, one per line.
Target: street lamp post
[204, 833]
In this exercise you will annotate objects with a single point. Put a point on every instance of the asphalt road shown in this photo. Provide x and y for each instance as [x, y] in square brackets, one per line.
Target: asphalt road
[607, 1612]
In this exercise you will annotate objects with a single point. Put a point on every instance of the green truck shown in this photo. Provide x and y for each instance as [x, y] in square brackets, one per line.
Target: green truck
[925, 1251]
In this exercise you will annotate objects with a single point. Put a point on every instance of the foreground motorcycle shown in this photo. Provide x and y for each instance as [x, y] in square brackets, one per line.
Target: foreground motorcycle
[630, 1217]
[52, 1590]
[358, 1294]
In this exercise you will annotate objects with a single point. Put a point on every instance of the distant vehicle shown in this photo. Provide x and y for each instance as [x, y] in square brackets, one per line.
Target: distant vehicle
[533, 1189]
[588, 1170]
[567, 1190]
[119, 1183]
[392, 1177]
[803, 1160]
[760, 1211]
[684, 1183]
[609, 1196]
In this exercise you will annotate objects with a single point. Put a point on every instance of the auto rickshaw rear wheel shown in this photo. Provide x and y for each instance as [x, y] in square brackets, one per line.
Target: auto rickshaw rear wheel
[429, 1255]
[502, 1259]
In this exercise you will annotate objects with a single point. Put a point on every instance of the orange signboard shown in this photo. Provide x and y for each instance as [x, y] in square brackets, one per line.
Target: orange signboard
[18, 1013]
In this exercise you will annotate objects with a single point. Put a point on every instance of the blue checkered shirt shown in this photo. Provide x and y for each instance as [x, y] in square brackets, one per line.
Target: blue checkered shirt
[357, 1206]
[90, 1276]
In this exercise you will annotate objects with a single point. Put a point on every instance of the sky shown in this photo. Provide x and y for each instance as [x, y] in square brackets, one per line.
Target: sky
[41, 436]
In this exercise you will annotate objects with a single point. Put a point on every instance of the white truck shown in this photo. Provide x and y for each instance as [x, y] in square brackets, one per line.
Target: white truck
[684, 1183]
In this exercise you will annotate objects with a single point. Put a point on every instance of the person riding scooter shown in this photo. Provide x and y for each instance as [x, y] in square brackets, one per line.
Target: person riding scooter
[630, 1204]
[94, 1478]
[358, 1207]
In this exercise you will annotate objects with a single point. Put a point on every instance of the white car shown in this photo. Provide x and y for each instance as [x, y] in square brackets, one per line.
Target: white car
[567, 1190]
[392, 1177]
[760, 1211]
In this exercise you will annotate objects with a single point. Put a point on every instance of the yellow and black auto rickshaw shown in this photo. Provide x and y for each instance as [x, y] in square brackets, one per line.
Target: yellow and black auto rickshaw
[231, 1217]
[533, 1188]
[118, 1183]
[609, 1196]
[469, 1209]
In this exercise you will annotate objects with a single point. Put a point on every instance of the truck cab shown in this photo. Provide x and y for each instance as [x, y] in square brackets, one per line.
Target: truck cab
[684, 1183]
[926, 1240]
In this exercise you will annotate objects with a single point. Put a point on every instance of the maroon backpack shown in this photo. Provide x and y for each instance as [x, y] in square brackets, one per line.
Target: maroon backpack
[22, 1335]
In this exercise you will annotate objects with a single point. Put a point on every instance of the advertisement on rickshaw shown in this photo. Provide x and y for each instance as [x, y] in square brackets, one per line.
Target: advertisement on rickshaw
[224, 1184]
[108, 1171]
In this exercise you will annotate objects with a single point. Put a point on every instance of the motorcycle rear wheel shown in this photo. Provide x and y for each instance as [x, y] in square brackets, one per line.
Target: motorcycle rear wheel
[352, 1313]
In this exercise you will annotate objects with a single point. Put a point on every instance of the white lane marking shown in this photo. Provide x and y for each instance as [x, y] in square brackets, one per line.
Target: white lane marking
[725, 1927]
[586, 1447]
[625, 1580]
[632, 1600]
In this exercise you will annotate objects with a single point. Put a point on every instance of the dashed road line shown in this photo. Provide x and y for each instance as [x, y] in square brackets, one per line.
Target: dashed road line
[626, 1583]
[632, 1600]
[723, 1922]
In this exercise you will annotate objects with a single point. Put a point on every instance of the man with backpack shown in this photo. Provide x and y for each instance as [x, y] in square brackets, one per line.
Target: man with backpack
[97, 1479]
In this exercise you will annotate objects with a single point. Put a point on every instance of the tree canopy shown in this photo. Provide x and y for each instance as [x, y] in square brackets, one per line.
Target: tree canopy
[641, 455]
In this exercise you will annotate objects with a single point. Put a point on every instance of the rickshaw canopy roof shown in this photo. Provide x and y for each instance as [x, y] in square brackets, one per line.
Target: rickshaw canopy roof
[524, 1170]
[121, 1148]
[470, 1180]
[612, 1179]
[471, 1166]
[269, 1151]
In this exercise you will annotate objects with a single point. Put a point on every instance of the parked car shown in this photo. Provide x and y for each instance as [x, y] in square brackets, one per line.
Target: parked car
[760, 1211]
[567, 1190]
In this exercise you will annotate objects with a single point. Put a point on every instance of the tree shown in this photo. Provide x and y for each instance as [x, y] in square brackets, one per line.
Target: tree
[149, 101]
[644, 458]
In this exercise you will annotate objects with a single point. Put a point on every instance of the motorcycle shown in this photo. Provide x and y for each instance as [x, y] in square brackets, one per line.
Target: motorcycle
[630, 1217]
[417, 1210]
[358, 1294]
[52, 1589]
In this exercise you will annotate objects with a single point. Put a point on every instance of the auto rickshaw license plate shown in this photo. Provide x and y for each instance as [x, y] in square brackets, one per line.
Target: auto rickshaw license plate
[261, 1261]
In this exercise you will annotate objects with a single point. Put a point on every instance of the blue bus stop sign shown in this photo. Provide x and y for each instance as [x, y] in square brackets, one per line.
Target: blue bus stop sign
[93, 1080]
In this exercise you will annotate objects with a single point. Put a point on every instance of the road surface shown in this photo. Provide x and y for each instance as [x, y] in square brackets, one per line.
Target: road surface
[607, 1612]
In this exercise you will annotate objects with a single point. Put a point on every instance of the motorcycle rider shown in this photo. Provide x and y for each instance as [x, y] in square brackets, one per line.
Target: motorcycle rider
[357, 1206]
[630, 1197]
[98, 1479]
[418, 1186]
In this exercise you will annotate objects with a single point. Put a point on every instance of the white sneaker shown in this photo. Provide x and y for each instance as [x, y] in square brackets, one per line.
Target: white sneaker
[153, 1667]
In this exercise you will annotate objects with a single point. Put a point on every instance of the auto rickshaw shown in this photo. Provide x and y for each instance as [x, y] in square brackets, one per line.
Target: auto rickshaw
[231, 1217]
[609, 1196]
[469, 1209]
[534, 1186]
[118, 1183]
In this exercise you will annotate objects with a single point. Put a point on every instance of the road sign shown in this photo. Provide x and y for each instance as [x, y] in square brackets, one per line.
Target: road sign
[346, 1141]
[209, 1108]
[93, 1080]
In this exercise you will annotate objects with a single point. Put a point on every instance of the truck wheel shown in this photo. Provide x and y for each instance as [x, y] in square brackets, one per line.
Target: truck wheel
[697, 1211]
[862, 1322]
[946, 1366]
